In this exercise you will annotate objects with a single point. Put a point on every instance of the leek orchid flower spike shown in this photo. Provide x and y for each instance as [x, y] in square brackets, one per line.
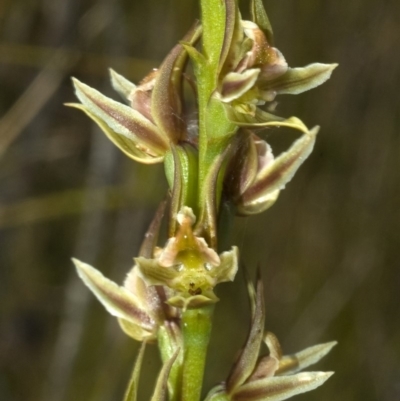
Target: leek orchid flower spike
[188, 266]
[272, 377]
[144, 129]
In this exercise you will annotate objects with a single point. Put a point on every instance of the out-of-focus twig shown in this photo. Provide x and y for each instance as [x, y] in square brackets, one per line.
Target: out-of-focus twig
[65, 204]
[58, 63]
[34, 98]
[86, 63]
[57, 205]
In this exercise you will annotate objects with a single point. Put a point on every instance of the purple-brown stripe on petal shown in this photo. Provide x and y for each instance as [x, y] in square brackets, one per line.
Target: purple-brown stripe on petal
[141, 102]
[282, 169]
[165, 104]
[123, 120]
[280, 388]
[144, 132]
[137, 315]
[299, 80]
[117, 300]
[235, 85]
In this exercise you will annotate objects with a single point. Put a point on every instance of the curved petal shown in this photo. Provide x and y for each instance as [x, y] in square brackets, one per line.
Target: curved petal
[272, 342]
[258, 205]
[266, 367]
[148, 298]
[275, 67]
[263, 119]
[227, 269]
[136, 332]
[258, 119]
[236, 84]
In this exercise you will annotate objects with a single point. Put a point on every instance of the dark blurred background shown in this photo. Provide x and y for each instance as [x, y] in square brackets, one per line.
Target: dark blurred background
[329, 248]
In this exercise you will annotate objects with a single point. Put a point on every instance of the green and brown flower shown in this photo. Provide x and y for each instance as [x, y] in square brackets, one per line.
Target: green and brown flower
[188, 266]
[145, 127]
[272, 377]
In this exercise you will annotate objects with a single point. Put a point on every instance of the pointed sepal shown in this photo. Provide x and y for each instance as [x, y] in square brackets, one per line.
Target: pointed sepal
[294, 363]
[299, 80]
[280, 388]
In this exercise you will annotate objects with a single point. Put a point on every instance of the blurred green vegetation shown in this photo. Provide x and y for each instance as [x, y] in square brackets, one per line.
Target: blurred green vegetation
[328, 248]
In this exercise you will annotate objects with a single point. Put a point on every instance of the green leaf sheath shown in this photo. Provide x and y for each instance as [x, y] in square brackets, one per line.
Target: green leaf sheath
[169, 342]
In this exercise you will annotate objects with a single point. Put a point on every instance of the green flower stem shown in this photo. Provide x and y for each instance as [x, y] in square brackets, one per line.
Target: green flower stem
[215, 130]
[213, 22]
[196, 328]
